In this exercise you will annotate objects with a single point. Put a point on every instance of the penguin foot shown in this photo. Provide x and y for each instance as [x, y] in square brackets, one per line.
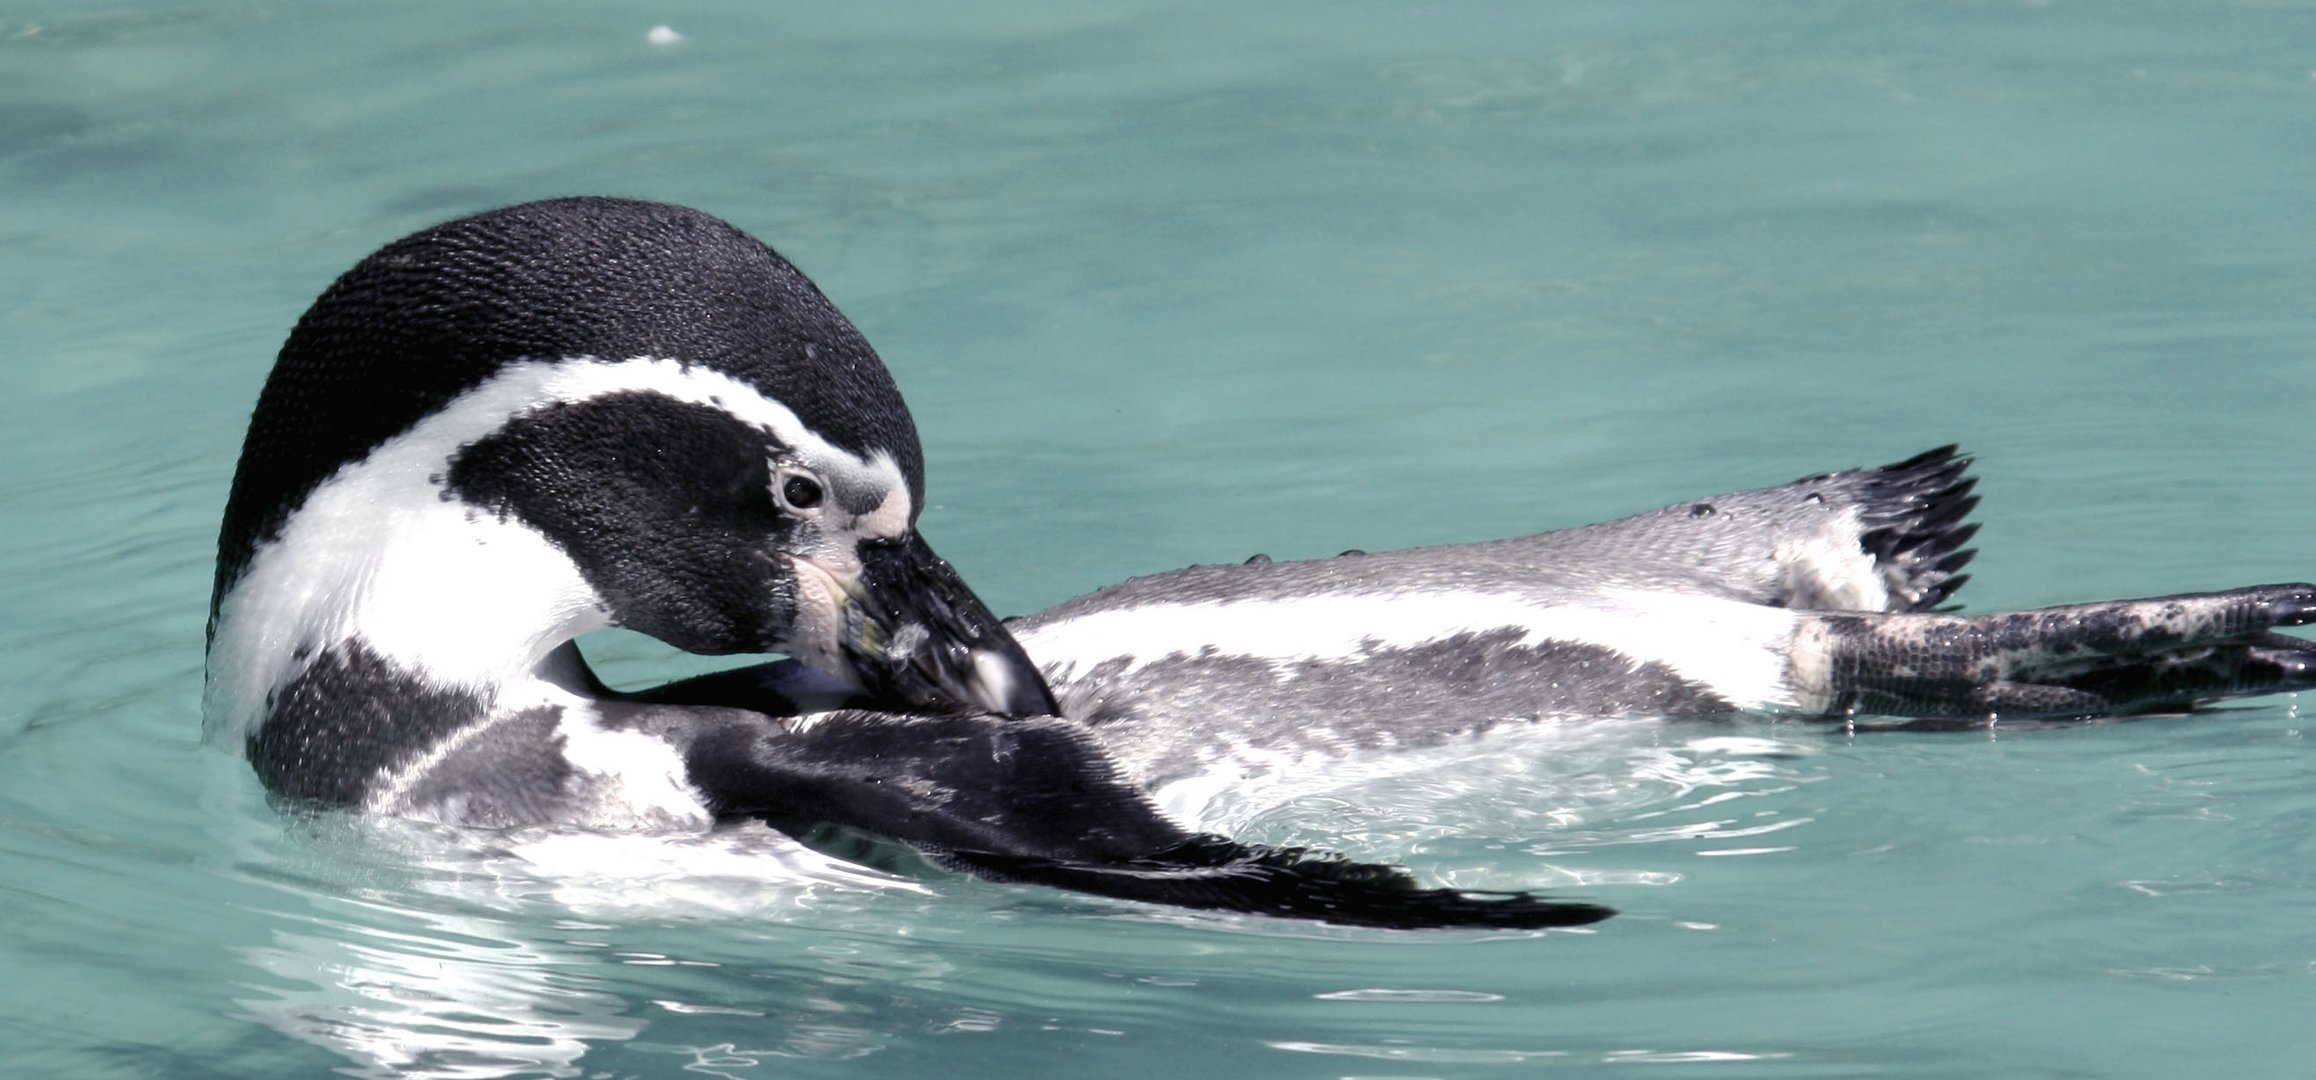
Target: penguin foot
[2080, 662]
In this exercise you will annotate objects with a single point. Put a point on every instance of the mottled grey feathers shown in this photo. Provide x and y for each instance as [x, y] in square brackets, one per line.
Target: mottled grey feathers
[1901, 525]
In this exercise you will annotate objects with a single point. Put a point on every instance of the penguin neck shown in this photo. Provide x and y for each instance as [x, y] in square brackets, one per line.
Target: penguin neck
[448, 596]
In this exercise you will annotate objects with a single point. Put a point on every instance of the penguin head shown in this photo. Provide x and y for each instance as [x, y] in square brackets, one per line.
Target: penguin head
[509, 429]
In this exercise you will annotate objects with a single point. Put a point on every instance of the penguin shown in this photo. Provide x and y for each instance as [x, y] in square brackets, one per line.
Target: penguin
[503, 432]
[498, 434]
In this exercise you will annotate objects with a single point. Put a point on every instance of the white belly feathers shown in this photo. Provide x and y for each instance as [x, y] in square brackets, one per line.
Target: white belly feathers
[1736, 650]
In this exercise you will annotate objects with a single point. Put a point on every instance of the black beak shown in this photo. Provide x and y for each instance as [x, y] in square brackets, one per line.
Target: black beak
[915, 636]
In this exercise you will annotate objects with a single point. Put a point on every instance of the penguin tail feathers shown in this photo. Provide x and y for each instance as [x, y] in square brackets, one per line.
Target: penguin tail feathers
[1914, 518]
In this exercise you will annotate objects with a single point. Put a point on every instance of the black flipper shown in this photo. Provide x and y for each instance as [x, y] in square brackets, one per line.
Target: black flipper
[2084, 661]
[1037, 801]
[776, 688]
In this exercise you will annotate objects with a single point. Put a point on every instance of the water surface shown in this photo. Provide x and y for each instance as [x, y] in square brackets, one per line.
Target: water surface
[1180, 283]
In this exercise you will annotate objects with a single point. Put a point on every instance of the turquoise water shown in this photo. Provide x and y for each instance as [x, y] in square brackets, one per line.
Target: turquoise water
[1180, 283]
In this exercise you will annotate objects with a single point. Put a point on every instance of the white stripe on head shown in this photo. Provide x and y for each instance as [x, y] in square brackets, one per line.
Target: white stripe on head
[445, 590]
[1735, 650]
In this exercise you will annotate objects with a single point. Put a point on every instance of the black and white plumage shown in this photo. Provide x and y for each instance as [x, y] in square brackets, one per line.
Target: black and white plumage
[500, 433]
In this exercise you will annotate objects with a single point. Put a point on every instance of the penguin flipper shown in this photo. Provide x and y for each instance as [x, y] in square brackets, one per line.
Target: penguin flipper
[775, 688]
[2083, 661]
[1039, 802]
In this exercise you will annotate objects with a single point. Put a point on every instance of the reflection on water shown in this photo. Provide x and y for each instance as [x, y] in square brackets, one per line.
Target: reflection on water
[1556, 792]
[463, 998]
[1433, 1055]
[438, 953]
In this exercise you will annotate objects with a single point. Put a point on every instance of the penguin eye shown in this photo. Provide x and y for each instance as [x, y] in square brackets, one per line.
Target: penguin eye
[799, 492]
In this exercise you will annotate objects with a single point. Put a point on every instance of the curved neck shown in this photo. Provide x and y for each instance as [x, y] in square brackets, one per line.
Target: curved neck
[448, 596]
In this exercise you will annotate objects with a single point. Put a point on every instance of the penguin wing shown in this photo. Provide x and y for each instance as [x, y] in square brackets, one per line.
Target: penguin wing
[785, 688]
[1881, 539]
[1040, 802]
